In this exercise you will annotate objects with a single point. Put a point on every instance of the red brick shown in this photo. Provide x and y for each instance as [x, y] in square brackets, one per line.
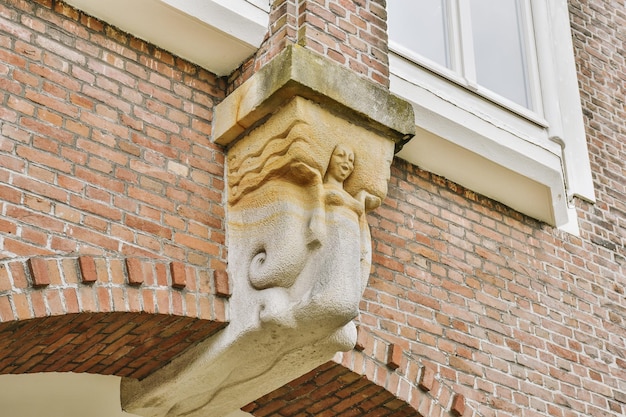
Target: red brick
[87, 299]
[361, 337]
[38, 303]
[59, 244]
[426, 379]
[209, 309]
[162, 301]
[458, 405]
[161, 270]
[136, 272]
[55, 304]
[149, 227]
[10, 195]
[88, 272]
[39, 271]
[177, 304]
[6, 312]
[117, 268]
[71, 300]
[104, 299]
[222, 284]
[394, 356]
[178, 273]
[191, 304]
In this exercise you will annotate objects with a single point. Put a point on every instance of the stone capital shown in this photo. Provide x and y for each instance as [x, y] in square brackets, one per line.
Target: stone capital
[297, 71]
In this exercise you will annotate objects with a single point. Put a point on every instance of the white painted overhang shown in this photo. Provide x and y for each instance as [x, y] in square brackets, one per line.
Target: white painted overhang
[218, 35]
[522, 170]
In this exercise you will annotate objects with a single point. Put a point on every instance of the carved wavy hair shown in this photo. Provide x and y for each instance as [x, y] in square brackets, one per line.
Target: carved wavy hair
[274, 160]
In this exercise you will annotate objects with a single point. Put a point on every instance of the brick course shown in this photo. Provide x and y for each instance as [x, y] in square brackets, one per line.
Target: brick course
[361, 383]
[65, 314]
[124, 344]
[330, 390]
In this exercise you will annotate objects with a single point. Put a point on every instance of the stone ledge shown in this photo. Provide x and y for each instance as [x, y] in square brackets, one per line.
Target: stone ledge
[299, 72]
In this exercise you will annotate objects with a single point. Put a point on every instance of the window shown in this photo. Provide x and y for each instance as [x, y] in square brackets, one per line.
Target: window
[484, 45]
[495, 92]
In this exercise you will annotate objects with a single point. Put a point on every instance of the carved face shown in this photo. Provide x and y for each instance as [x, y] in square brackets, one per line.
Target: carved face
[341, 163]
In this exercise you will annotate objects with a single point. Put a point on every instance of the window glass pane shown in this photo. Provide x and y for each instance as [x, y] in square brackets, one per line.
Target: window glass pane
[420, 26]
[499, 51]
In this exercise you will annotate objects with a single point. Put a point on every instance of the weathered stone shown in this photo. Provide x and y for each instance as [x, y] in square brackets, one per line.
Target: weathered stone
[297, 71]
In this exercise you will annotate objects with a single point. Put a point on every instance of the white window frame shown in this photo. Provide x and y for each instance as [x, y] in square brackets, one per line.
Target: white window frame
[542, 150]
[462, 57]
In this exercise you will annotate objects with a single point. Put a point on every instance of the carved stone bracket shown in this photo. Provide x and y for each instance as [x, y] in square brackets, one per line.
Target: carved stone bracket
[309, 151]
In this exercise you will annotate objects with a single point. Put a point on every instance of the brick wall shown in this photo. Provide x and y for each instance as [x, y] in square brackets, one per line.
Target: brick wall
[507, 311]
[519, 318]
[104, 144]
[598, 33]
[351, 33]
[473, 309]
[105, 153]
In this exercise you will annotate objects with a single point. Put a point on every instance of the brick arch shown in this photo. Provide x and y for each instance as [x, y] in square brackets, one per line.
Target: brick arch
[330, 390]
[125, 317]
[377, 378]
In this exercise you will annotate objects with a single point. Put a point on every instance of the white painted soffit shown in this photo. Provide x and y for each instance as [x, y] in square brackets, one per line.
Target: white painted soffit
[480, 174]
[218, 35]
[485, 158]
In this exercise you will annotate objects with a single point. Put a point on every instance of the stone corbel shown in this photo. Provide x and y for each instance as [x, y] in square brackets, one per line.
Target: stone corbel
[309, 151]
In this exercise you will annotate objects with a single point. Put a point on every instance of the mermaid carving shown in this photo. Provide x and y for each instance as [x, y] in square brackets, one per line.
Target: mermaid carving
[307, 221]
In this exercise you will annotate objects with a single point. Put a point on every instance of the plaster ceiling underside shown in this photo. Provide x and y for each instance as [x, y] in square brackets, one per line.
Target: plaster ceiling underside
[64, 395]
[474, 172]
